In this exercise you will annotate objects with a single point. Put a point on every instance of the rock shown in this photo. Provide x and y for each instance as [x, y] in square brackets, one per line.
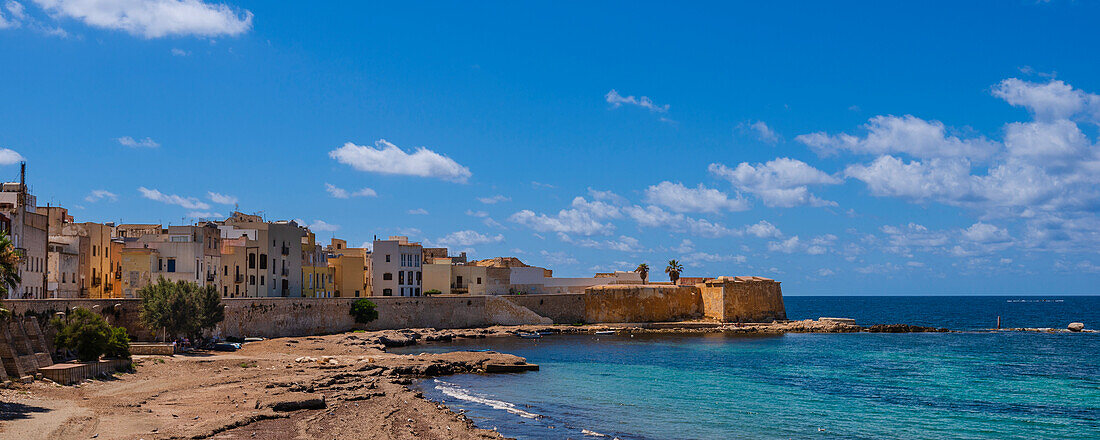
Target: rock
[902, 328]
[1076, 326]
[293, 402]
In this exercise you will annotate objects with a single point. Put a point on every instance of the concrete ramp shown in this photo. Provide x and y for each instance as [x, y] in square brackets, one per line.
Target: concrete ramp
[500, 311]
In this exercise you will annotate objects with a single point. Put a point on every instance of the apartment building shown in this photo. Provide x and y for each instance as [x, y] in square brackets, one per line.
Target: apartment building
[30, 236]
[397, 267]
[178, 253]
[318, 278]
[272, 253]
[351, 269]
[63, 265]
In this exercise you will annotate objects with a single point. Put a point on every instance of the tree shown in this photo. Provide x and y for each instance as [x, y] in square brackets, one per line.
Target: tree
[84, 332]
[364, 311]
[118, 344]
[180, 308]
[643, 271]
[673, 270]
[9, 265]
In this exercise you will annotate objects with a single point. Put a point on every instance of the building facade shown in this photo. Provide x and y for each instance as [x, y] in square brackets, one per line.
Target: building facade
[397, 267]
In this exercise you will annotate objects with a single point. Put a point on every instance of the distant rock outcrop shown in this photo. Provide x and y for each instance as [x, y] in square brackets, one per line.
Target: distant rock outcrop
[1076, 326]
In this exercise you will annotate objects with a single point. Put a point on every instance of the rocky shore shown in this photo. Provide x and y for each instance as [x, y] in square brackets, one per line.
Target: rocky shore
[334, 386]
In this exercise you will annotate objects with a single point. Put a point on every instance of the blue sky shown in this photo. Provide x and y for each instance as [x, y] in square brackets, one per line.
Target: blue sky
[861, 148]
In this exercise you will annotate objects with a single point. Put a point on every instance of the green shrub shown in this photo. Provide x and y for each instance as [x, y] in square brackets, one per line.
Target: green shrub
[118, 345]
[84, 332]
[433, 292]
[364, 311]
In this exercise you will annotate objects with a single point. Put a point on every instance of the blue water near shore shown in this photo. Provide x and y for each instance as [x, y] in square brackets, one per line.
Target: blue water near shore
[971, 385]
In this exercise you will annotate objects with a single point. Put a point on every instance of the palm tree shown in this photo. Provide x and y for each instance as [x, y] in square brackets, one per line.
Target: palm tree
[673, 270]
[643, 271]
[9, 265]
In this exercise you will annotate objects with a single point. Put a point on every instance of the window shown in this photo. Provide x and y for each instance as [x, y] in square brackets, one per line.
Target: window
[252, 280]
[225, 290]
[401, 277]
[160, 266]
[225, 270]
[418, 278]
[93, 250]
[387, 292]
[262, 280]
[251, 261]
[171, 264]
[387, 276]
[417, 291]
[479, 280]
[310, 281]
[263, 261]
[387, 258]
[356, 293]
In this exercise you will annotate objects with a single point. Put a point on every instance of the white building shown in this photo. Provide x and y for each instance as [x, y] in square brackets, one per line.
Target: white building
[30, 236]
[396, 267]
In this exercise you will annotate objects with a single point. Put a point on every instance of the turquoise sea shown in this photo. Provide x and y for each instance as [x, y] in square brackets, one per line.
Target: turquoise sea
[974, 384]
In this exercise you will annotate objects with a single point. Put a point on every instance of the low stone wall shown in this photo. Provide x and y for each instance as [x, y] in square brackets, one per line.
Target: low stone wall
[641, 303]
[565, 308]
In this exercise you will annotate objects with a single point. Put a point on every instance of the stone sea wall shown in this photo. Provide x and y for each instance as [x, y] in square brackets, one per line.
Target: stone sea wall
[277, 317]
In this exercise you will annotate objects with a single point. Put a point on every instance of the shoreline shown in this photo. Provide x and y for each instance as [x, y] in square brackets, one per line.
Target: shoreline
[342, 385]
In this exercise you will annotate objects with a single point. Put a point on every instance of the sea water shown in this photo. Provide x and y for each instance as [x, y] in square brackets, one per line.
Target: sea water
[968, 385]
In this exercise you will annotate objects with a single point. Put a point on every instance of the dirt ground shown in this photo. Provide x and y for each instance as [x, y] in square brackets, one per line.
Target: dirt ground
[337, 386]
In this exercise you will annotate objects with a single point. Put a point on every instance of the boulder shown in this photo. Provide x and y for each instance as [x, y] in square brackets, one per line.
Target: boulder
[1076, 326]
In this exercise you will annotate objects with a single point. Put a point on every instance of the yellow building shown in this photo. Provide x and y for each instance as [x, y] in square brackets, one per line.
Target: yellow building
[350, 269]
[138, 269]
[318, 278]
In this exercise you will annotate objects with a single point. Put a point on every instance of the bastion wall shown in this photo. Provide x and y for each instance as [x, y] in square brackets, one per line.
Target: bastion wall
[277, 317]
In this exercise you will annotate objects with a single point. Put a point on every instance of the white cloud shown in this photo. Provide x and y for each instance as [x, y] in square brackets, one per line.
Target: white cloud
[143, 143]
[907, 135]
[985, 233]
[100, 194]
[204, 214]
[341, 193]
[17, 12]
[1051, 101]
[180, 52]
[172, 199]
[656, 217]
[763, 229]
[825, 272]
[418, 211]
[387, 158]
[697, 259]
[815, 246]
[679, 198]
[468, 238]
[494, 199]
[584, 218]
[760, 130]
[10, 157]
[559, 258]
[322, 226]
[154, 18]
[782, 182]
[623, 243]
[615, 99]
[221, 199]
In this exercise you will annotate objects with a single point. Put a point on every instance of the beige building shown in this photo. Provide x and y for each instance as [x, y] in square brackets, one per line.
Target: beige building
[272, 254]
[139, 267]
[63, 266]
[182, 253]
[509, 275]
[397, 267]
[30, 236]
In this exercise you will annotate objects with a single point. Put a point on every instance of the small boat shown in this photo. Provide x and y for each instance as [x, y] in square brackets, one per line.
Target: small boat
[605, 332]
[529, 335]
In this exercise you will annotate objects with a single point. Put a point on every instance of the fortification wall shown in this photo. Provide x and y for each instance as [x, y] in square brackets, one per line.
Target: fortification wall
[564, 308]
[641, 303]
[743, 301]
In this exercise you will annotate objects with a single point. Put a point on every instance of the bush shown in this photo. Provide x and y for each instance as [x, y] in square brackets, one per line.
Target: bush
[433, 292]
[84, 332]
[118, 345]
[364, 311]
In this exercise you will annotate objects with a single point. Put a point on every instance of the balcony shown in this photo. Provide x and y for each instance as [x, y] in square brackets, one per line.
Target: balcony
[96, 282]
[285, 272]
[457, 288]
[210, 278]
[238, 279]
[118, 274]
[286, 250]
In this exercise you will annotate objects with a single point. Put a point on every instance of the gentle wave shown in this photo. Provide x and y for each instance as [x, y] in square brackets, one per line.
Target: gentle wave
[456, 392]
